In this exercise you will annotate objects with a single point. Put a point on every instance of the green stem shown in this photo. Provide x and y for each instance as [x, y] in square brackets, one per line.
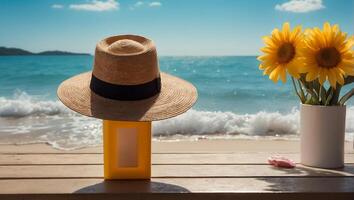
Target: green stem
[313, 96]
[346, 97]
[292, 79]
[301, 91]
[329, 96]
[348, 80]
[304, 83]
[323, 94]
[336, 92]
[317, 88]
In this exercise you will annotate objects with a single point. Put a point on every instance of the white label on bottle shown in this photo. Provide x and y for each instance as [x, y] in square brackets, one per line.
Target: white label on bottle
[127, 141]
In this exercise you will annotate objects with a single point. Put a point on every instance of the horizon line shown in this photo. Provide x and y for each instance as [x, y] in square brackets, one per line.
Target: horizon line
[176, 55]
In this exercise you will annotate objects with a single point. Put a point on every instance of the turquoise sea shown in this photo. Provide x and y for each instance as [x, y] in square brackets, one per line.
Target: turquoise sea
[235, 101]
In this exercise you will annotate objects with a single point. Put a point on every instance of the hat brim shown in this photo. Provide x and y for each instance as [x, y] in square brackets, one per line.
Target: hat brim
[175, 98]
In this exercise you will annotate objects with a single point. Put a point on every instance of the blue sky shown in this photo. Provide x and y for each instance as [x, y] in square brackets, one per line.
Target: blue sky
[178, 27]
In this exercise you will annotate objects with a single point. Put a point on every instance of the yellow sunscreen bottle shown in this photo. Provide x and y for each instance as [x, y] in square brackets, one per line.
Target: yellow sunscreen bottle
[127, 149]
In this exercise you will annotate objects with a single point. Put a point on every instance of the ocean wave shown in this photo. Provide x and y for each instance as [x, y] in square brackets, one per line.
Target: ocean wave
[191, 123]
[259, 124]
[25, 118]
[22, 105]
[213, 123]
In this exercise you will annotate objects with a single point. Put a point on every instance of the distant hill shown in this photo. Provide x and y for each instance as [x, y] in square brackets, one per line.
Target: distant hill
[13, 51]
[4, 51]
[59, 53]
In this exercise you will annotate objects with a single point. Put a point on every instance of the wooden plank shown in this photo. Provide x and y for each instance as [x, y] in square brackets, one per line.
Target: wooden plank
[178, 185]
[53, 159]
[71, 159]
[96, 171]
[201, 146]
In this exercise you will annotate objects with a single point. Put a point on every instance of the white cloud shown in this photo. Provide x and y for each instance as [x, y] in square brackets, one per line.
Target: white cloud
[138, 4]
[142, 4]
[57, 6]
[96, 5]
[155, 4]
[300, 6]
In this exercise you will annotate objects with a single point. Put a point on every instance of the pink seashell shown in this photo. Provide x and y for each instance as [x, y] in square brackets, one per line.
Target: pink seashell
[279, 161]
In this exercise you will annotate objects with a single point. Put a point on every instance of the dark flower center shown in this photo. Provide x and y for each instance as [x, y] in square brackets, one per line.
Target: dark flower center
[286, 53]
[328, 57]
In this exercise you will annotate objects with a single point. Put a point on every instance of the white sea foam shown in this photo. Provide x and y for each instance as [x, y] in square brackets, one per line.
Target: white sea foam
[260, 124]
[26, 119]
[22, 105]
[209, 123]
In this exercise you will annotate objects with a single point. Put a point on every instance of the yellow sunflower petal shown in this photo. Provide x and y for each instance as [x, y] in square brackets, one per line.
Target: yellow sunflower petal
[265, 57]
[282, 47]
[307, 32]
[286, 31]
[319, 38]
[348, 63]
[293, 71]
[268, 50]
[311, 76]
[276, 36]
[339, 75]
[335, 28]
[261, 67]
[350, 42]
[327, 27]
[348, 70]
[339, 40]
[274, 75]
[295, 33]
[327, 30]
[347, 55]
[269, 41]
[283, 74]
[332, 79]
[327, 55]
[269, 70]
[322, 76]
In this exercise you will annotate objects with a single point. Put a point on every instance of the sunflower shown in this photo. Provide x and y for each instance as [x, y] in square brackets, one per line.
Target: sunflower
[281, 53]
[328, 55]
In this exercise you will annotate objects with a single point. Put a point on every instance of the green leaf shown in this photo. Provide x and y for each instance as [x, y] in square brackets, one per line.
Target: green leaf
[323, 95]
[335, 97]
[349, 80]
[329, 97]
[313, 98]
[297, 93]
[346, 97]
[316, 87]
[302, 94]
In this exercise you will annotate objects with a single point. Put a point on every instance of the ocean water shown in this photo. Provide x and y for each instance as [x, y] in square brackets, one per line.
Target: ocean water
[235, 101]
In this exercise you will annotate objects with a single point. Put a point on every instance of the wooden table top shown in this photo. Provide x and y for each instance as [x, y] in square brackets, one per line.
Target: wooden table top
[195, 175]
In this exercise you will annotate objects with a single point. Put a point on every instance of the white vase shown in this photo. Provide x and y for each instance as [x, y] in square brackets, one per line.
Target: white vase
[322, 130]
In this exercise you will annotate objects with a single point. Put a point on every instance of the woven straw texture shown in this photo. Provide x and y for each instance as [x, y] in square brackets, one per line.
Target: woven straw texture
[175, 98]
[127, 60]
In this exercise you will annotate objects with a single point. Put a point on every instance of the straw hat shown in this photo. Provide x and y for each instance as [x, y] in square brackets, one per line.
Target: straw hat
[126, 84]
